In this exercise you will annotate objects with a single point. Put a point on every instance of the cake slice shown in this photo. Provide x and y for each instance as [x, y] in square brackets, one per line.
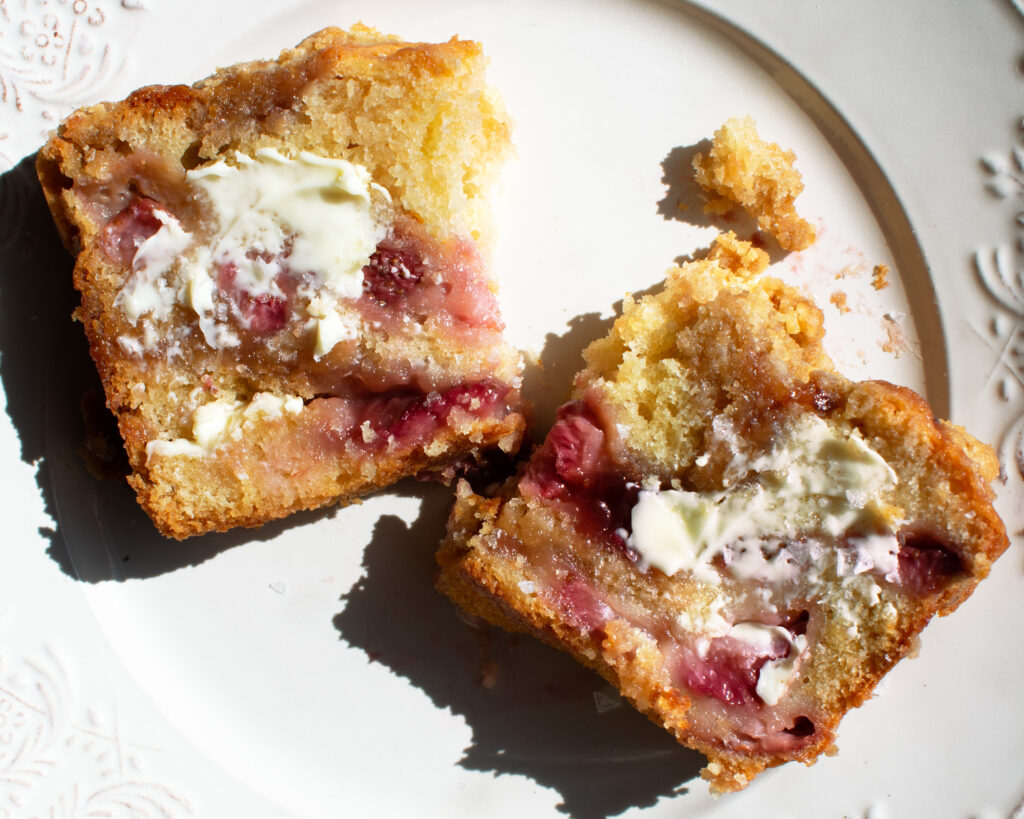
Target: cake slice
[283, 276]
[736, 536]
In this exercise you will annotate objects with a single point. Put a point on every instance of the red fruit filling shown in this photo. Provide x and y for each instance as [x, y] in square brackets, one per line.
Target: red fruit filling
[391, 274]
[403, 419]
[927, 562]
[264, 313]
[582, 607]
[424, 415]
[577, 444]
[573, 469]
[727, 668]
[412, 275]
[125, 233]
[721, 675]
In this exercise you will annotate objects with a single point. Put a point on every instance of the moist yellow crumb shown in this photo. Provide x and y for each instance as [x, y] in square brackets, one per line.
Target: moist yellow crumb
[880, 277]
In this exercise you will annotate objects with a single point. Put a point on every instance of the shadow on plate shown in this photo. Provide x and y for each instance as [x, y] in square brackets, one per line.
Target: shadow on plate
[547, 383]
[533, 711]
[37, 334]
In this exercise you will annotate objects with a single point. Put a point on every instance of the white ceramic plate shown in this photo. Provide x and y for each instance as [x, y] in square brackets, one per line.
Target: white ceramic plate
[309, 668]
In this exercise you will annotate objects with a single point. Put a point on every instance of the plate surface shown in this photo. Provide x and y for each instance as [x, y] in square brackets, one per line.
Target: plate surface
[309, 668]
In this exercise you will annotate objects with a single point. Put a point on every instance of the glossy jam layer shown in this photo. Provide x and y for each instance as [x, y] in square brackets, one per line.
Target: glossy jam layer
[403, 419]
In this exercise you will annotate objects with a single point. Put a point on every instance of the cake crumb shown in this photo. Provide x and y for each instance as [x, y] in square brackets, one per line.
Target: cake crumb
[850, 271]
[758, 176]
[839, 300]
[895, 342]
[880, 277]
[256, 405]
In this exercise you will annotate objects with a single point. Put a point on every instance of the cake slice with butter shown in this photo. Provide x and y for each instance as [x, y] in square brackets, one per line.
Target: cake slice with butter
[739, 538]
[283, 276]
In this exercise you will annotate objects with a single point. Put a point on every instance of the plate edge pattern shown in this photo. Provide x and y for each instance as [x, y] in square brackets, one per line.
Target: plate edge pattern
[55, 56]
[48, 740]
[1000, 270]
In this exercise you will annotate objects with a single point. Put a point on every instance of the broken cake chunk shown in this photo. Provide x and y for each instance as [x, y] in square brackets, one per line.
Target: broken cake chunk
[283, 275]
[742, 169]
[739, 538]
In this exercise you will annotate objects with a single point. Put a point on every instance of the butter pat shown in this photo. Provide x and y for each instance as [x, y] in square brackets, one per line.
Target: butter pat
[775, 675]
[330, 329]
[310, 214]
[816, 482]
[210, 421]
[324, 203]
[223, 419]
[150, 290]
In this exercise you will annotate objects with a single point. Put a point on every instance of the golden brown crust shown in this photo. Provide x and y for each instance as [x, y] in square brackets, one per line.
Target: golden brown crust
[420, 118]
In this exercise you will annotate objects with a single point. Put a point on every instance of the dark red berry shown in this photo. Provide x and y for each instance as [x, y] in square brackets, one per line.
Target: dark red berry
[124, 234]
[926, 563]
[391, 274]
